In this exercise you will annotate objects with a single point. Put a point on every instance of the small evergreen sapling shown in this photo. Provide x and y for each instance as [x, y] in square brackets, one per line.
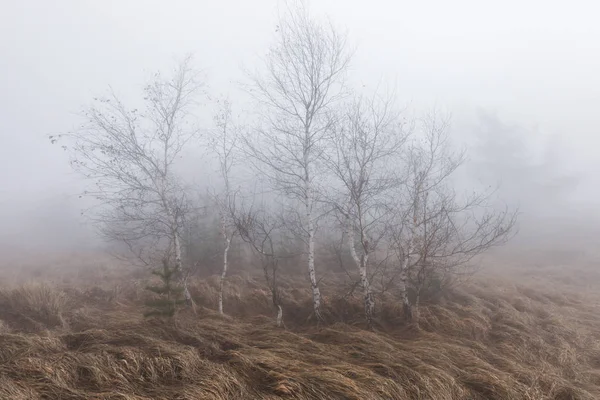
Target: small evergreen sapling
[170, 294]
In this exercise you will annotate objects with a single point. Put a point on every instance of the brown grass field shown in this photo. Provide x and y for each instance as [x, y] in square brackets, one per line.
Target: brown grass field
[522, 334]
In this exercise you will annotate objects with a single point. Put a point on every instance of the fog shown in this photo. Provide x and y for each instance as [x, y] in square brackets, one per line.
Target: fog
[520, 79]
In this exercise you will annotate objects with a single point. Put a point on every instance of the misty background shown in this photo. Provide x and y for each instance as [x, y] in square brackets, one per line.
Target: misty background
[520, 79]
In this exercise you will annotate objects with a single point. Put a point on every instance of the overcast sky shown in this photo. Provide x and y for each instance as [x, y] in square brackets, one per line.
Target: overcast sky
[534, 63]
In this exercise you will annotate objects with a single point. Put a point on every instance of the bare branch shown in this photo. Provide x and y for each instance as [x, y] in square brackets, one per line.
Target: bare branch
[129, 156]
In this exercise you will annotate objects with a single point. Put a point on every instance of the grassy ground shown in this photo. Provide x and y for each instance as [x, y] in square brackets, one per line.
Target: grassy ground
[533, 335]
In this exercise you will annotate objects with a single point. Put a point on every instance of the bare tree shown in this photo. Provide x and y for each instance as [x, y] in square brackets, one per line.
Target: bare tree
[130, 155]
[366, 150]
[438, 232]
[264, 232]
[223, 142]
[305, 72]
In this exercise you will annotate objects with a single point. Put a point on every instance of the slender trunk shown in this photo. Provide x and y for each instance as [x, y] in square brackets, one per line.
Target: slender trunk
[406, 306]
[410, 312]
[415, 308]
[179, 268]
[310, 224]
[361, 264]
[271, 265]
[178, 263]
[351, 244]
[369, 301]
[311, 270]
[224, 273]
[310, 227]
[279, 316]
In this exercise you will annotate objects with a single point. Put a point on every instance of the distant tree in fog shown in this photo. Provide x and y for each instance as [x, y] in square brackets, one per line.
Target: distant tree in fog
[305, 71]
[529, 172]
[129, 155]
[364, 157]
[436, 231]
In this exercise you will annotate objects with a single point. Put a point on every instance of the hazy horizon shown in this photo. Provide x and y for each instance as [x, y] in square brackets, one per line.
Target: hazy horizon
[531, 67]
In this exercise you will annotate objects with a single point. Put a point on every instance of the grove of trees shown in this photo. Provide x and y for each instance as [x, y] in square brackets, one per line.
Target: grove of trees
[326, 161]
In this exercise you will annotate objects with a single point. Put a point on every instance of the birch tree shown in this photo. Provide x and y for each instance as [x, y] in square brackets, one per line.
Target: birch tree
[129, 155]
[304, 78]
[223, 143]
[366, 151]
[438, 231]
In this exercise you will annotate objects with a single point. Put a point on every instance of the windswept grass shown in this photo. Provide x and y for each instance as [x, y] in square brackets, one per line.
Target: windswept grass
[489, 339]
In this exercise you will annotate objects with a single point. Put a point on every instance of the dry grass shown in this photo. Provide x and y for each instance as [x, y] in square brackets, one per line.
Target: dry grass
[488, 339]
[33, 307]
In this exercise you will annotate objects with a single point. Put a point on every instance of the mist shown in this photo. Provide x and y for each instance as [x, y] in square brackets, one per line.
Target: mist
[519, 80]
[299, 199]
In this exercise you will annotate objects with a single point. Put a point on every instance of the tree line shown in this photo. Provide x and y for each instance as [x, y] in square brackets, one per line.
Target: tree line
[330, 157]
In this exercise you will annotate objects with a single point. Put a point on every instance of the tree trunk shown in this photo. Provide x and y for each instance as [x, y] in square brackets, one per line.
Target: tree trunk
[224, 273]
[311, 271]
[361, 264]
[279, 316]
[415, 309]
[311, 254]
[406, 306]
[369, 301]
[178, 263]
[179, 267]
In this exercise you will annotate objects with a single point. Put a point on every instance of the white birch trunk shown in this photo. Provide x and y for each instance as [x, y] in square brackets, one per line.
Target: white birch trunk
[369, 301]
[279, 316]
[177, 240]
[404, 283]
[415, 308]
[407, 307]
[311, 270]
[224, 273]
[179, 267]
[350, 235]
[361, 264]
[310, 228]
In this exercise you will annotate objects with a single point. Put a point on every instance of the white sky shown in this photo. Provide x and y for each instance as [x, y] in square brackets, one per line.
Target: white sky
[534, 62]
